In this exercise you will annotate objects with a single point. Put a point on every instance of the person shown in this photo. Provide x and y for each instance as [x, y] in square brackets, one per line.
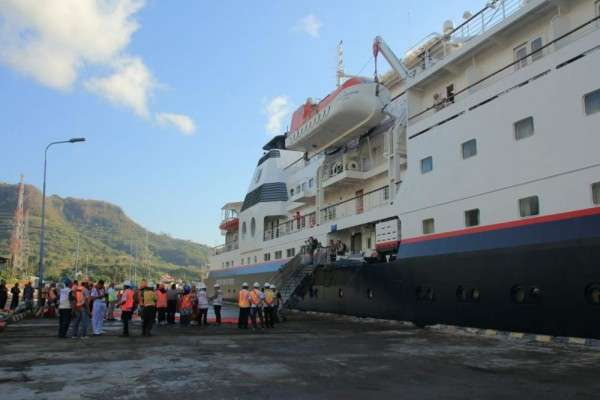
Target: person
[98, 299]
[28, 296]
[161, 304]
[148, 302]
[111, 293]
[65, 304]
[185, 306]
[269, 303]
[254, 305]
[81, 310]
[15, 292]
[244, 306]
[261, 305]
[43, 309]
[202, 299]
[127, 303]
[217, 301]
[278, 305]
[3, 294]
[52, 301]
[172, 297]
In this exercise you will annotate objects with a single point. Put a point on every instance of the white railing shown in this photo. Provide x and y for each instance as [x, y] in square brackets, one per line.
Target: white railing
[357, 205]
[224, 248]
[295, 224]
[431, 51]
[336, 166]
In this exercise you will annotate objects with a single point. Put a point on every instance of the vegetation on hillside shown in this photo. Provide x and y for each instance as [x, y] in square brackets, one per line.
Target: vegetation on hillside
[111, 245]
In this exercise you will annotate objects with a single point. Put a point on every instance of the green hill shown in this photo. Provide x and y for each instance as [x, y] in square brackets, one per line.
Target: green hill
[111, 245]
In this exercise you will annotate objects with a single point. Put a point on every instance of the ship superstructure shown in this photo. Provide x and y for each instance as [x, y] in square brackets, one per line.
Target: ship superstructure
[465, 183]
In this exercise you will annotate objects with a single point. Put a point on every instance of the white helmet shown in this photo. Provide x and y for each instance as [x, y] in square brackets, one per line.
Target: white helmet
[201, 285]
[256, 284]
[245, 284]
[267, 285]
[216, 286]
[127, 283]
[272, 286]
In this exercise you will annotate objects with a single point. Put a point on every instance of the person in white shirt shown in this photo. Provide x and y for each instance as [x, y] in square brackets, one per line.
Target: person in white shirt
[202, 304]
[217, 301]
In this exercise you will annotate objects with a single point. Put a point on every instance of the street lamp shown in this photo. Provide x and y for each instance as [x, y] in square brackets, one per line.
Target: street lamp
[41, 266]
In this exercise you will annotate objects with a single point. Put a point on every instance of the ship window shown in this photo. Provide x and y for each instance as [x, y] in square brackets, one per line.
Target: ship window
[426, 165]
[475, 295]
[370, 293]
[517, 294]
[592, 294]
[469, 148]
[341, 292]
[290, 252]
[472, 217]
[529, 206]
[252, 226]
[424, 293]
[292, 192]
[592, 102]
[428, 226]
[278, 254]
[596, 192]
[524, 128]
[267, 257]
[248, 259]
[450, 93]
[242, 261]
[255, 259]
[520, 54]
[258, 174]
[536, 44]
[311, 182]
[243, 228]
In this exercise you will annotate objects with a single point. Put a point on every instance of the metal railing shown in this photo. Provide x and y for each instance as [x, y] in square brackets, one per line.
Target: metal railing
[293, 225]
[424, 56]
[224, 248]
[357, 205]
[508, 69]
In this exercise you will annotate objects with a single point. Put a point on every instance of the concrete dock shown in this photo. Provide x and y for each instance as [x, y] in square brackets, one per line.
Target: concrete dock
[307, 357]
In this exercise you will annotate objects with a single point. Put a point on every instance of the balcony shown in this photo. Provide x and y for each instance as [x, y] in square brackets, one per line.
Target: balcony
[227, 247]
[295, 224]
[340, 173]
[357, 205]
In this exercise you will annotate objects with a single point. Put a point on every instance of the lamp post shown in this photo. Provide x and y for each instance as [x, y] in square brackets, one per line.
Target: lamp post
[43, 224]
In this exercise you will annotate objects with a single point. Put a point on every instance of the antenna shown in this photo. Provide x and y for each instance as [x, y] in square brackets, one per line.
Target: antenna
[340, 63]
[18, 233]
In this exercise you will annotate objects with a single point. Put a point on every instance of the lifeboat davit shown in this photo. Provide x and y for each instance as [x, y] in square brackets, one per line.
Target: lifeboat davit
[348, 112]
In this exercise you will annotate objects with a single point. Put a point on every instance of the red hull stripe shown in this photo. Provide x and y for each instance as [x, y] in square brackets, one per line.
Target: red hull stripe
[506, 225]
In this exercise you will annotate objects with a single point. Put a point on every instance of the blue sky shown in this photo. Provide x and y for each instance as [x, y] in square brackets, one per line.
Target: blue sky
[173, 96]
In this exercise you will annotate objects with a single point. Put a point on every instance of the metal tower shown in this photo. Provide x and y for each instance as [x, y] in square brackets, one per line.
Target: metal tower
[340, 63]
[17, 248]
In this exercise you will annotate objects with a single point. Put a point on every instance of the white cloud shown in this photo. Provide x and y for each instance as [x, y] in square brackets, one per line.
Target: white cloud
[277, 109]
[52, 40]
[310, 24]
[182, 122]
[130, 85]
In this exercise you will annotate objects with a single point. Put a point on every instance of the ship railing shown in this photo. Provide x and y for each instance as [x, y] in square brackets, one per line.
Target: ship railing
[429, 52]
[295, 224]
[357, 205]
[509, 69]
[224, 248]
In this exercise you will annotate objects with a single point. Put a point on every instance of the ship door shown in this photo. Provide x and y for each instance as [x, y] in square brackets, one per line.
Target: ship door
[356, 243]
[360, 205]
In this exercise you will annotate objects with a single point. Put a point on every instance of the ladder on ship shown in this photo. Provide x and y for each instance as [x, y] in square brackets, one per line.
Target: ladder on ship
[291, 276]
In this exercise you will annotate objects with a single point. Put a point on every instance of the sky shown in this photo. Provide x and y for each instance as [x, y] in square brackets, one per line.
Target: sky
[177, 98]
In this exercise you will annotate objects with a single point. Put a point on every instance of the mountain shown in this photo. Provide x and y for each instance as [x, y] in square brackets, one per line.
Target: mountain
[111, 245]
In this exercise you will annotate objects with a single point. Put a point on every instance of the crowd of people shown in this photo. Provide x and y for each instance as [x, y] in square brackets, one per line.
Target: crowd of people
[83, 306]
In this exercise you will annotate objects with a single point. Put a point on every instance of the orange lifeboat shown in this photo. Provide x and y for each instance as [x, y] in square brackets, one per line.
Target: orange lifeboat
[230, 224]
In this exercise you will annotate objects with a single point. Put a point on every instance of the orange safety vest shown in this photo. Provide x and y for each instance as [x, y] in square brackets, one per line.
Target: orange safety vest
[186, 301]
[243, 299]
[161, 299]
[255, 297]
[128, 304]
[269, 298]
[79, 300]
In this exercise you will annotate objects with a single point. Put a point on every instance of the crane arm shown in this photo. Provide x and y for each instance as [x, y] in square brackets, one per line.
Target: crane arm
[379, 45]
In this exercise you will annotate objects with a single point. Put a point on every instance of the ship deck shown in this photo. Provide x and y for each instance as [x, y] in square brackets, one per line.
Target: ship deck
[309, 356]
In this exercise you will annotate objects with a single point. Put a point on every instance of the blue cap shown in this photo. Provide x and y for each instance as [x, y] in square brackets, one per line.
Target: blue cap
[67, 281]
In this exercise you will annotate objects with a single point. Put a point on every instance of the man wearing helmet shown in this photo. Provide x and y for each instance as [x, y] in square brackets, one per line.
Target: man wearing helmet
[217, 301]
[185, 306]
[127, 302]
[202, 299]
[244, 305]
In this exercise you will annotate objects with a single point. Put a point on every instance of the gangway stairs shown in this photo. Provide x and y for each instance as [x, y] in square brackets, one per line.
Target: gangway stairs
[291, 276]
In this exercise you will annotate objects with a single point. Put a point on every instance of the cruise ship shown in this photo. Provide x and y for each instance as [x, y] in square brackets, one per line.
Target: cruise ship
[464, 183]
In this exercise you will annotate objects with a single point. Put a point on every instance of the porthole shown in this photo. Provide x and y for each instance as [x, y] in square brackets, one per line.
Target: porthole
[535, 294]
[475, 294]
[370, 293]
[424, 293]
[461, 294]
[592, 294]
[340, 292]
[517, 294]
